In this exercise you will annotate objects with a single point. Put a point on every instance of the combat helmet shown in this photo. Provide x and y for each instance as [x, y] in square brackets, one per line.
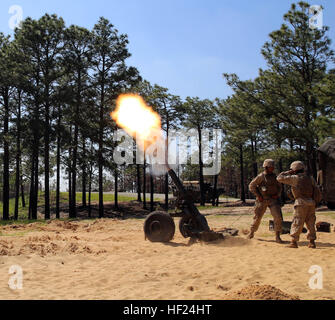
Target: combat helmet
[269, 163]
[297, 166]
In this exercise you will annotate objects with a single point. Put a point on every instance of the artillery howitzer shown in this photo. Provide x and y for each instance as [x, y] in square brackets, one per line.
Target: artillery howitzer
[160, 227]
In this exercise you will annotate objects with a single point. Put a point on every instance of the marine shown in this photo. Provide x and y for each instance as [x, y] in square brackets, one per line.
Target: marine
[267, 190]
[306, 194]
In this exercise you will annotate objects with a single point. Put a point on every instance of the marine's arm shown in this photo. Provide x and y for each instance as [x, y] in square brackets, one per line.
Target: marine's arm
[288, 178]
[253, 186]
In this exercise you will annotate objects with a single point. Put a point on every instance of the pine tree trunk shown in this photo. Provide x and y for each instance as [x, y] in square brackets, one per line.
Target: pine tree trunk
[35, 195]
[70, 174]
[35, 172]
[151, 190]
[201, 170]
[6, 159]
[215, 191]
[70, 190]
[58, 166]
[47, 161]
[90, 193]
[17, 189]
[58, 183]
[116, 202]
[167, 162]
[101, 192]
[84, 175]
[139, 191]
[18, 159]
[253, 155]
[31, 191]
[242, 174]
[101, 143]
[22, 192]
[22, 186]
[73, 211]
[311, 160]
[33, 200]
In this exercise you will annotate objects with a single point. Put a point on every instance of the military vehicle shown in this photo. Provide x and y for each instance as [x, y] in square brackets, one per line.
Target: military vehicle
[193, 192]
[326, 173]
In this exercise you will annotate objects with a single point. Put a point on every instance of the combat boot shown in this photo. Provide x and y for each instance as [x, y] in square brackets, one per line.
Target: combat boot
[312, 244]
[278, 239]
[293, 244]
[251, 235]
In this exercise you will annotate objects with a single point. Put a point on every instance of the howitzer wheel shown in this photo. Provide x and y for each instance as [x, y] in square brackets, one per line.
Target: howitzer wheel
[159, 227]
[186, 225]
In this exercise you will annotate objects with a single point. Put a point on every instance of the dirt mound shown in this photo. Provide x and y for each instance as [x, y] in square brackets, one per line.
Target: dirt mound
[67, 225]
[260, 292]
[19, 227]
[49, 245]
[39, 248]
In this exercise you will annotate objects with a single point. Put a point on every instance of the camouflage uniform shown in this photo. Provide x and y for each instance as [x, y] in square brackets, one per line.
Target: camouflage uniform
[303, 187]
[266, 186]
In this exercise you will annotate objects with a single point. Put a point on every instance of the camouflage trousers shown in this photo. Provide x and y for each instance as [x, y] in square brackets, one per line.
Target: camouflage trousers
[260, 208]
[303, 214]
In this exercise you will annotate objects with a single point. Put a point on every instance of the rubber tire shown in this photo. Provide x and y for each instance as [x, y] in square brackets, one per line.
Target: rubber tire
[186, 220]
[159, 227]
[331, 205]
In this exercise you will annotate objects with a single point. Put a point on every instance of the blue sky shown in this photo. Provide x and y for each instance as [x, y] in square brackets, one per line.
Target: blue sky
[184, 45]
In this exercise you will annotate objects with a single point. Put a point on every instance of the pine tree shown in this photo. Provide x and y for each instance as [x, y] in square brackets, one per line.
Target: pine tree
[111, 77]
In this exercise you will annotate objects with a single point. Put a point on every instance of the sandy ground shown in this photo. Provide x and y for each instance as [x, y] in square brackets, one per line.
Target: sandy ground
[109, 259]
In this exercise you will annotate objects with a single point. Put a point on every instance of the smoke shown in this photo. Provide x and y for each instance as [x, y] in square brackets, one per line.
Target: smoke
[162, 156]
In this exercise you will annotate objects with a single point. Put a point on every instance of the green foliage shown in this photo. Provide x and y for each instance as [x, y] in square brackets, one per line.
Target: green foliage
[291, 101]
[58, 86]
